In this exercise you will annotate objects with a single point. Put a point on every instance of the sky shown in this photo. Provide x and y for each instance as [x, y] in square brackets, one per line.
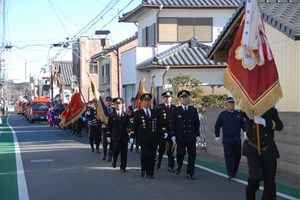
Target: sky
[31, 27]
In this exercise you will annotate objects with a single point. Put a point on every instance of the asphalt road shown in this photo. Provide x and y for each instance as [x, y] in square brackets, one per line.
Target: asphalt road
[59, 165]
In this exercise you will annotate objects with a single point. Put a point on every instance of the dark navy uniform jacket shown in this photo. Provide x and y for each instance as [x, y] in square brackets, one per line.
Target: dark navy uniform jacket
[144, 129]
[231, 124]
[118, 127]
[185, 124]
[164, 115]
[273, 123]
[92, 117]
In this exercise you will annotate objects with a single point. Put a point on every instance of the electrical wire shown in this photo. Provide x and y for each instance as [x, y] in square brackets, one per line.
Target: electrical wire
[62, 24]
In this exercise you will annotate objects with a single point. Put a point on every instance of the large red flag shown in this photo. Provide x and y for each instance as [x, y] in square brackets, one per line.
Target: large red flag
[73, 111]
[251, 75]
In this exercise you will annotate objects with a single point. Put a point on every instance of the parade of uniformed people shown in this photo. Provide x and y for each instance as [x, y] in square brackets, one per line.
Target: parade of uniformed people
[150, 99]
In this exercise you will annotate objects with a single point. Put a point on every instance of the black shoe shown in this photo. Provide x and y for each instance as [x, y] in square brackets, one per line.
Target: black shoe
[92, 149]
[114, 164]
[97, 151]
[150, 176]
[109, 159]
[104, 157]
[190, 177]
[158, 164]
[123, 170]
[178, 170]
[143, 174]
[171, 169]
[131, 148]
[231, 177]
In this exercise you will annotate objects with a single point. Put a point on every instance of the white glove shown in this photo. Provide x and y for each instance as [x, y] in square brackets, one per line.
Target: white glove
[217, 139]
[166, 135]
[260, 120]
[174, 140]
[135, 109]
[245, 136]
[108, 140]
[131, 140]
[197, 139]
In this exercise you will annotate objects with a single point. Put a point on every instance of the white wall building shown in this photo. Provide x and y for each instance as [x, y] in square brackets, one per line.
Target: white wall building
[172, 34]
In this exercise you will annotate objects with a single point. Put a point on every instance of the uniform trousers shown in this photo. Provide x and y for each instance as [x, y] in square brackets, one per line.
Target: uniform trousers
[191, 151]
[264, 169]
[121, 147]
[232, 154]
[95, 136]
[164, 145]
[148, 154]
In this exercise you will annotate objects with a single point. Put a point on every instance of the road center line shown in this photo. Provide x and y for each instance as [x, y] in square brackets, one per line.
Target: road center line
[22, 186]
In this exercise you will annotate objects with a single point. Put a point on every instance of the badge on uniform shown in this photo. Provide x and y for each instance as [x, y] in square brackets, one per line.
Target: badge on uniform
[179, 116]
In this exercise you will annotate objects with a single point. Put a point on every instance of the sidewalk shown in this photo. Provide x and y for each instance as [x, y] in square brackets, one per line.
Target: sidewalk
[286, 183]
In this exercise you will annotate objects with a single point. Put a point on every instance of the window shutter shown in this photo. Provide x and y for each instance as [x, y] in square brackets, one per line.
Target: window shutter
[203, 29]
[167, 30]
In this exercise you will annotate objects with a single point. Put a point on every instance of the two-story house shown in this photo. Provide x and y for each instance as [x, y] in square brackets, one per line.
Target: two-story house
[173, 39]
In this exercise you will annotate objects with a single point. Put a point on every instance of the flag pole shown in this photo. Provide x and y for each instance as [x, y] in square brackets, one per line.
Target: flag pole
[258, 139]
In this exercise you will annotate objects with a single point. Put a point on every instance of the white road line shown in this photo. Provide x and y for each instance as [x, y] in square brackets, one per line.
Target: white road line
[238, 180]
[41, 160]
[22, 186]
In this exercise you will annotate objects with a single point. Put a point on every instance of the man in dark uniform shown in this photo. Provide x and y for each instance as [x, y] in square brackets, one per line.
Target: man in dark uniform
[94, 127]
[130, 110]
[231, 122]
[185, 132]
[145, 128]
[117, 132]
[164, 112]
[106, 145]
[264, 166]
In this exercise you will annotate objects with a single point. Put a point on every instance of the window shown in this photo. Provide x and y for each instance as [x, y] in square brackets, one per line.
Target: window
[167, 29]
[105, 74]
[148, 35]
[93, 68]
[182, 29]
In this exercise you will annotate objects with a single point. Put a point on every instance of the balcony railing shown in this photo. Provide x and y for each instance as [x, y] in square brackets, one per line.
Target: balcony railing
[105, 80]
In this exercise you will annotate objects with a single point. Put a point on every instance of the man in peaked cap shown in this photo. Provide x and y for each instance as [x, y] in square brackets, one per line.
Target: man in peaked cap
[144, 127]
[94, 126]
[117, 132]
[164, 113]
[185, 132]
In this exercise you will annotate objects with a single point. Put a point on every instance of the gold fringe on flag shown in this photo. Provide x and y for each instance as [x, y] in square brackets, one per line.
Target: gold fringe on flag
[258, 108]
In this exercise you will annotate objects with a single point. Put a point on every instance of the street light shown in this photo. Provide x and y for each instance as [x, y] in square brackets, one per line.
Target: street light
[163, 76]
[103, 44]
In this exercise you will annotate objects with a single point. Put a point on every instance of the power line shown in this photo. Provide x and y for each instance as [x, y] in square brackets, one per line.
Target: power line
[51, 4]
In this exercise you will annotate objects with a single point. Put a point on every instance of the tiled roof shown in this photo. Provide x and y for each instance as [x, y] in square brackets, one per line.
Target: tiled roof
[190, 53]
[192, 2]
[65, 69]
[284, 16]
[114, 47]
[179, 4]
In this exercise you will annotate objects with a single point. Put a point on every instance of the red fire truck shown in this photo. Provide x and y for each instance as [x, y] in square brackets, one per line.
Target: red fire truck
[38, 109]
